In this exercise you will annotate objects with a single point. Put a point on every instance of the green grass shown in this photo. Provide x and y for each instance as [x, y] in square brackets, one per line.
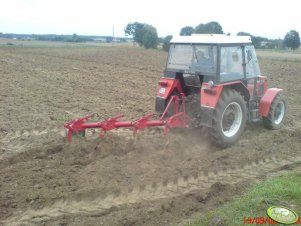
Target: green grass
[280, 191]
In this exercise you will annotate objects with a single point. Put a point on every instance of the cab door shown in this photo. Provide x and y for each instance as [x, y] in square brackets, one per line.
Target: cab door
[231, 64]
[252, 70]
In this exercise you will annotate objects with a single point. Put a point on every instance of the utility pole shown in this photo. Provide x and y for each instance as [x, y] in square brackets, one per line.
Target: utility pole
[113, 31]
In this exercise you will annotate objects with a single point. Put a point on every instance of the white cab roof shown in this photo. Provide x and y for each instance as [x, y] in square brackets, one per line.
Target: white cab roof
[211, 39]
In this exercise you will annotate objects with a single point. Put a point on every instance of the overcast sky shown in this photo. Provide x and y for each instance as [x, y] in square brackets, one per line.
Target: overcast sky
[272, 19]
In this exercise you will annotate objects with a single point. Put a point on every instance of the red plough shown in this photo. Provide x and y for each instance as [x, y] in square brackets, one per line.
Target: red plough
[180, 119]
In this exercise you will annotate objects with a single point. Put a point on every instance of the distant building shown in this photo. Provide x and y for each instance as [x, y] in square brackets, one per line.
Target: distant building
[100, 39]
[264, 44]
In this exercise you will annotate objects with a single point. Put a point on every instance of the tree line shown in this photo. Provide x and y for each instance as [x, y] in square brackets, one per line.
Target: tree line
[62, 38]
[146, 35]
[291, 39]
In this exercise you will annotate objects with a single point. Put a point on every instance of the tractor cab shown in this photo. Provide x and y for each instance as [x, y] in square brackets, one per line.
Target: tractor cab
[216, 58]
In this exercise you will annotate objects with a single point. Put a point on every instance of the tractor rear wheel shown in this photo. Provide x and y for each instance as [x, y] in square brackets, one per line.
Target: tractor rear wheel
[276, 115]
[229, 118]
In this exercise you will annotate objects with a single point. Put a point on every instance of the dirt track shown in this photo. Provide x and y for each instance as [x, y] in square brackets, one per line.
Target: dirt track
[112, 181]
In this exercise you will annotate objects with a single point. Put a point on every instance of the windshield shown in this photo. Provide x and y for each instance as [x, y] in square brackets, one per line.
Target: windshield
[193, 58]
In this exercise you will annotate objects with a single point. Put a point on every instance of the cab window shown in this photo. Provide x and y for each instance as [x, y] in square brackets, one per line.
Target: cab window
[231, 65]
[252, 67]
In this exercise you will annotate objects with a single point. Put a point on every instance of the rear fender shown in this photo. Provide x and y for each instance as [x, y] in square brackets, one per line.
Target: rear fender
[209, 98]
[211, 95]
[167, 86]
[266, 101]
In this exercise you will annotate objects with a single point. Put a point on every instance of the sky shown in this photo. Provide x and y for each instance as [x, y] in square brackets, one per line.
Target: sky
[271, 19]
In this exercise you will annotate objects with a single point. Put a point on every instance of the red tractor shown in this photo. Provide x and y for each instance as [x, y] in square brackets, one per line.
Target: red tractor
[212, 81]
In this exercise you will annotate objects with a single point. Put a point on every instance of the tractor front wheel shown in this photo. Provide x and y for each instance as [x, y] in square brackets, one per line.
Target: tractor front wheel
[229, 118]
[276, 115]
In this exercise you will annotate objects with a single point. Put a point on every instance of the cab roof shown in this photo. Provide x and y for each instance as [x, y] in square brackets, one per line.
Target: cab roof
[211, 39]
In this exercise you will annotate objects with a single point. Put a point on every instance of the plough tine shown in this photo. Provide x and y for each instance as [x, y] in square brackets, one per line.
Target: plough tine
[69, 135]
[108, 124]
[167, 140]
[102, 134]
[141, 123]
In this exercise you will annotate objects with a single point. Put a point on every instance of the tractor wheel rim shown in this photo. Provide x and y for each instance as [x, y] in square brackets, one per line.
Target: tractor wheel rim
[231, 119]
[279, 113]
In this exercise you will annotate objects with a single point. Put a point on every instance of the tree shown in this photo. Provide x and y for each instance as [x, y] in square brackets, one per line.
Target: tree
[149, 37]
[276, 44]
[74, 38]
[144, 34]
[292, 40]
[212, 27]
[242, 33]
[186, 31]
[166, 42]
[136, 30]
[256, 40]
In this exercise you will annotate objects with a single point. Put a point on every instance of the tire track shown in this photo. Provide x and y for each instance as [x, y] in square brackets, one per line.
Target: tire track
[202, 182]
[9, 137]
[21, 140]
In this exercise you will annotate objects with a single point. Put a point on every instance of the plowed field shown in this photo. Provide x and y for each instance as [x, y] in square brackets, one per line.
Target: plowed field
[116, 181]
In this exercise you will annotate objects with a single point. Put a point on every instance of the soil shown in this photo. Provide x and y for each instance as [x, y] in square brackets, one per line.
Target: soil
[118, 180]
